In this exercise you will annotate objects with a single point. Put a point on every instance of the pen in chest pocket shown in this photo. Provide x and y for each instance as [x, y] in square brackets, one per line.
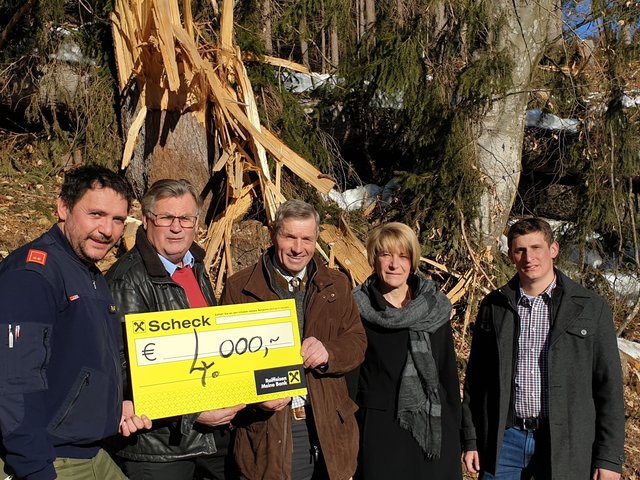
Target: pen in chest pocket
[13, 334]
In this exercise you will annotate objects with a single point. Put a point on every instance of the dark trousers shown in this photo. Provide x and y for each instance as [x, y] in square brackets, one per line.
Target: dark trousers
[219, 466]
[207, 467]
[307, 462]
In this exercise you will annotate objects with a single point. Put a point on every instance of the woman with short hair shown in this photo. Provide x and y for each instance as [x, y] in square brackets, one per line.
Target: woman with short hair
[408, 390]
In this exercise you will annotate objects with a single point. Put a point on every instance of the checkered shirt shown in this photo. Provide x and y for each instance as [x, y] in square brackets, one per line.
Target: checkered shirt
[532, 369]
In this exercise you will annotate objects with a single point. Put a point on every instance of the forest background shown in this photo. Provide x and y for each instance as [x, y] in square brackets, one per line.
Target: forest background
[476, 112]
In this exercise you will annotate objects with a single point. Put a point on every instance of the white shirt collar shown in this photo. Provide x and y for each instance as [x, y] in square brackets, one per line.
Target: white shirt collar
[170, 267]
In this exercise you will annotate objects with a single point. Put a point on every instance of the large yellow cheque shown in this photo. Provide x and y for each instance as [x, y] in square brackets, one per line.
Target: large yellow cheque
[185, 361]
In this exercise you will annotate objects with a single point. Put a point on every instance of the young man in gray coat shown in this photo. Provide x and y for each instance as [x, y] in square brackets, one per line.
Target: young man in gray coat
[543, 392]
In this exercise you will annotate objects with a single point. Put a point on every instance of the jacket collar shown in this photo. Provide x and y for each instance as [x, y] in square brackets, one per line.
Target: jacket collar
[152, 263]
[58, 237]
[567, 301]
[512, 288]
[261, 282]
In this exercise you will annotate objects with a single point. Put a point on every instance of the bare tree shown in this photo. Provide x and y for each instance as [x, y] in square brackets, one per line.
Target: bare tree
[304, 43]
[501, 130]
[335, 51]
[266, 29]
[370, 14]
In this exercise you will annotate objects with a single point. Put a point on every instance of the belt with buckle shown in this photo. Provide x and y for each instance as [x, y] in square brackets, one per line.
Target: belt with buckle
[298, 413]
[532, 423]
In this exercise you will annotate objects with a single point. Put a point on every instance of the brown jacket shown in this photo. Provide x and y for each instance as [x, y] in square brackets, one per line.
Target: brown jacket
[263, 440]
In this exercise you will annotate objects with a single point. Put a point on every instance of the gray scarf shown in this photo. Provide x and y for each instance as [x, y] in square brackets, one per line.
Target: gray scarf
[419, 407]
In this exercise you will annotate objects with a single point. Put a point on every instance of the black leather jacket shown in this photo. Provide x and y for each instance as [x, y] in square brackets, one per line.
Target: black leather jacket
[140, 283]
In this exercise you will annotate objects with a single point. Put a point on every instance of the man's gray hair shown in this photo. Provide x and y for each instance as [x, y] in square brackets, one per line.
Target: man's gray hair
[168, 188]
[295, 209]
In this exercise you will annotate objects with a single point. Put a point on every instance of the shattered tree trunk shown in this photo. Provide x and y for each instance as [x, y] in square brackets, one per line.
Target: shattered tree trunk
[173, 140]
[500, 132]
[170, 145]
[199, 93]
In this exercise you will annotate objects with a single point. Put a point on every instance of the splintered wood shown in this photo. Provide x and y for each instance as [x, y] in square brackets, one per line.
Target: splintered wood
[156, 50]
[348, 251]
[160, 54]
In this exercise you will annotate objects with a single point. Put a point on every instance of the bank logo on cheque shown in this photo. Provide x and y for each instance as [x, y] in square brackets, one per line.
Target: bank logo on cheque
[281, 379]
[294, 376]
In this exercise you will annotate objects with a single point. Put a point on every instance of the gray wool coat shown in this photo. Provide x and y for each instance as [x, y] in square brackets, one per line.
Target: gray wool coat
[586, 406]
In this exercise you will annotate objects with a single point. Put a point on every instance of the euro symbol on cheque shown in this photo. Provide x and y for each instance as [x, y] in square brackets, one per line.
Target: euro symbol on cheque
[148, 350]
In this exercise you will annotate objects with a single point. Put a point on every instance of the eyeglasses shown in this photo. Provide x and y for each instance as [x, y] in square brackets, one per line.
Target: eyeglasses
[185, 221]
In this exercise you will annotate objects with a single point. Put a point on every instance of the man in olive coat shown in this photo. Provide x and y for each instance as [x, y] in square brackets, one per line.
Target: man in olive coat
[314, 436]
[543, 392]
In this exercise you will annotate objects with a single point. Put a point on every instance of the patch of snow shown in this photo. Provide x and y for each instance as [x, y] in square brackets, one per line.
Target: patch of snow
[548, 121]
[296, 82]
[364, 196]
[69, 51]
[625, 285]
[629, 102]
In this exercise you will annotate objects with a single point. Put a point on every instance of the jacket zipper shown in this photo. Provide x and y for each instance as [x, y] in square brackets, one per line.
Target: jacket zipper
[45, 337]
[114, 349]
[85, 381]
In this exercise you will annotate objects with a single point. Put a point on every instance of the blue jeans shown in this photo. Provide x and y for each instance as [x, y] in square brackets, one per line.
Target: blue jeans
[524, 455]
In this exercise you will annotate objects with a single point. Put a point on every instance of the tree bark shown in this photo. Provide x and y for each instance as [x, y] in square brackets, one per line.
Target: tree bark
[170, 145]
[441, 17]
[304, 44]
[335, 51]
[554, 33]
[400, 16]
[500, 132]
[370, 10]
[323, 39]
[266, 29]
[361, 19]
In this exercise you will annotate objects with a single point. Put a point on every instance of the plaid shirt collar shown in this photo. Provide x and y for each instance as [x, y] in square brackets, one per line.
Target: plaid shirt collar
[526, 300]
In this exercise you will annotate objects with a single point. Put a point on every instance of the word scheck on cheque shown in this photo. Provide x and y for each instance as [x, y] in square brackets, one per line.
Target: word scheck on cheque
[173, 324]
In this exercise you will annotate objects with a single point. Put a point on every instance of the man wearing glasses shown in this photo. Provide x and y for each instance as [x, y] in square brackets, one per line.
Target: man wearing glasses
[165, 271]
